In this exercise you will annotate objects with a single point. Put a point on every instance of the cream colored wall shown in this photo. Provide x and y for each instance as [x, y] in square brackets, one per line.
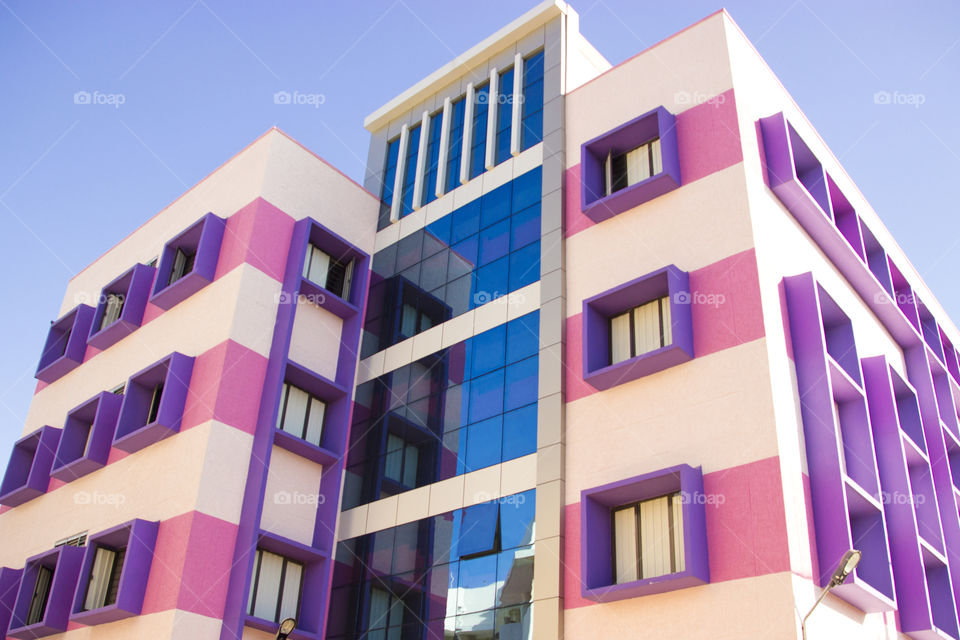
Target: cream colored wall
[169, 478]
[241, 306]
[169, 625]
[315, 340]
[291, 496]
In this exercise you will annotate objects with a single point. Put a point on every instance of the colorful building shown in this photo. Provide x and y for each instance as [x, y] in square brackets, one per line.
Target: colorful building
[595, 351]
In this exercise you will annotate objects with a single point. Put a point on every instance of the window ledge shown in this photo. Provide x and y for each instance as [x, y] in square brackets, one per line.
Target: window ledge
[77, 322]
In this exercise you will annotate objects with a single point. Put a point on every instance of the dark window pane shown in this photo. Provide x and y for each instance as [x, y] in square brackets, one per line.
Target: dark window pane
[525, 227]
[523, 337]
[479, 143]
[494, 242]
[492, 282]
[519, 432]
[525, 266]
[488, 351]
[486, 396]
[478, 528]
[496, 205]
[516, 519]
[483, 443]
[521, 383]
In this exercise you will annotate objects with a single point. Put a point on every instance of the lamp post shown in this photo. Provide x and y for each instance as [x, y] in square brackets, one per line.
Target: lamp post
[847, 564]
[286, 628]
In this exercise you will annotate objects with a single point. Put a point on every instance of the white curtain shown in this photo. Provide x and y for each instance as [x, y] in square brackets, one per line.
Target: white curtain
[665, 316]
[316, 265]
[678, 532]
[655, 537]
[291, 590]
[620, 338]
[296, 411]
[657, 159]
[379, 608]
[99, 579]
[393, 464]
[638, 164]
[268, 585]
[315, 421]
[647, 327]
[625, 541]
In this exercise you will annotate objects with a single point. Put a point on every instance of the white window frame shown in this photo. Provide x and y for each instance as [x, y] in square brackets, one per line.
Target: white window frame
[308, 427]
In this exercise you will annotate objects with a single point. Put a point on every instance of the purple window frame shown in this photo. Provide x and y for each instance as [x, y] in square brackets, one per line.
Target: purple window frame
[313, 585]
[87, 437]
[134, 285]
[174, 372]
[139, 537]
[337, 401]
[28, 473]
[593, 154]
[56, 360]
[596, 539]
[338, 249]
[9, 586]
[204, 238]
[597, 311]
[65, 562]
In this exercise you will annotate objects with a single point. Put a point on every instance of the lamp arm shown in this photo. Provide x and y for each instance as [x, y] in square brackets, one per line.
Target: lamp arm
[823, 594]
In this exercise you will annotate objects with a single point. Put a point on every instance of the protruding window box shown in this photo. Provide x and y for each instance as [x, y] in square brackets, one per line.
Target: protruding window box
[188, 262]
[312, 586]
[28, 472]
[113, 577]
[596, 542]
[289, 435]
[9, 585]
[120, 308]
[66, 344]
[153, 403]
[87, 437]
[669, 282]
[334, 272]
[596, 199]
[46, 592]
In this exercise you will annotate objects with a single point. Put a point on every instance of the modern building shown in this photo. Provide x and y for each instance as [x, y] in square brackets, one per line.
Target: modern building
[596, 351]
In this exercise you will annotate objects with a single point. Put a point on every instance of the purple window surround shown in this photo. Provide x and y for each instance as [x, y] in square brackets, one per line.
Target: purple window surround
[134, 286]
[66, 344]
[313, 587]
[338, 249]
[596, 554]
[203, 239]
[337, 401]
[847, 511]
[28, 472]
[133, 432]
[9, 585]
[65, 563]
[597, 311]
[87, 437]
[656, 123]
[335, 439]
[138, 537]
[793, 174]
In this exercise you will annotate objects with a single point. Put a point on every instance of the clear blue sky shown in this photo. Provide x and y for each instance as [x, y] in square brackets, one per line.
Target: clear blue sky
[197, 79]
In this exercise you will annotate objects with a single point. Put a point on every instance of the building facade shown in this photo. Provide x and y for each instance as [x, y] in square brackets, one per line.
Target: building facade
[595, 351]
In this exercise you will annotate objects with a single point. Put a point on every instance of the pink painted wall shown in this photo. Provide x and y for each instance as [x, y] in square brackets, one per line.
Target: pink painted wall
[708, 140]
[226, 384]
[259, 234]
[726, 312]
[746, 527]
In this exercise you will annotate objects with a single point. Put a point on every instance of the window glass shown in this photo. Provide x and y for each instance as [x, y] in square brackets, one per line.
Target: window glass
[455, 151]
[648, 539]
[640, 330]
[433, 158]
[410, 171]
[532, 111]
[504, 116]
[478, 151]
[389, 177]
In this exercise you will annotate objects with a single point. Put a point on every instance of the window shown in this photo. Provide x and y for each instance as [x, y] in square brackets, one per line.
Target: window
[104, 581]
[532, 113]
[28, 473]
[457, 111]
[640, 330]
[504, 116]
[433, 158]
[400, 463]
[301, 414]
[182, 264]
[86, 437]
[629, 165]
[389, 178]
[275, 587]
[152, 404]
[41, 592]
[644, 535]
[410, 171]
[333, 275]
[413, 321]
[626, 169]
[66, 344]
[113, 307]
[648, 539]
[386, 615]
[77, 540]
[478, 151]
[154, 409]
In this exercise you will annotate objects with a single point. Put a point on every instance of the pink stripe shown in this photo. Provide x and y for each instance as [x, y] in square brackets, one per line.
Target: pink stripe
[191, 564]
[726, 312]
[41, 385]
[259, 234]
[746, 527]
[225, 386]
[708, 140]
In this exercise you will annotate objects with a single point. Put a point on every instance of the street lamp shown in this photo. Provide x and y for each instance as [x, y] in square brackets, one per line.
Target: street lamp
[286, 628]
[848, 563]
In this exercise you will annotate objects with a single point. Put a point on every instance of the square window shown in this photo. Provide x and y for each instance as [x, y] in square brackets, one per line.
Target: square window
[87, 437]
[301, 414]
[523, 337]
[488, 351]
[188, 262]
[28, 472]
[274, 587]
[153, 403]
[333, 272]
[521, 383]
[525, 266]
[519, 432]
[483, 443]
[113, 577]
[120, 308]
[525, 227]
[494, 242]
[309, 410]
[629, 165]
[46, 590]
[644, 535]
[66, 344]
[486, 396]
[618, 328]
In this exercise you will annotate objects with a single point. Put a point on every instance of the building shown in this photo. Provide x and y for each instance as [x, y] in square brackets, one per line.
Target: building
[595, 351]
